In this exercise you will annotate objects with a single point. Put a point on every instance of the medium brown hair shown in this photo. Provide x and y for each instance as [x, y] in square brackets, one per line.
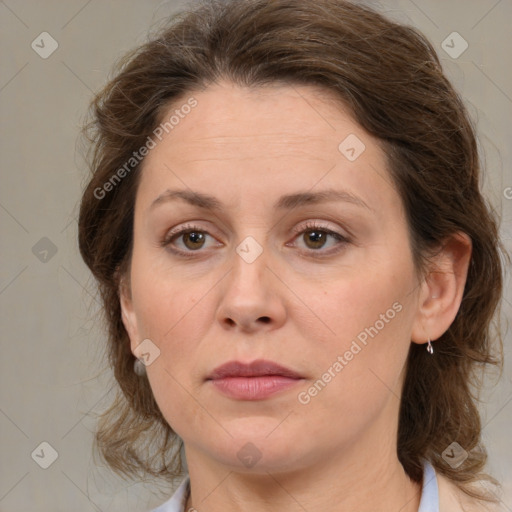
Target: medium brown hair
[390, 78]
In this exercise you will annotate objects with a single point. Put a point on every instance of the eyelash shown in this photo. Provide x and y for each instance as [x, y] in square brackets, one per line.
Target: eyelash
[309, 226]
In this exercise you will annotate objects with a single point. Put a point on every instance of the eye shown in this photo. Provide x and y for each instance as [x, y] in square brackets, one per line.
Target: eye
[316, 236]
[192, 237]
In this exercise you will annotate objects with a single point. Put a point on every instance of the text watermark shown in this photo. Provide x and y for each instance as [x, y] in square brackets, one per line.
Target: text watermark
[304, 397]
[138, 156]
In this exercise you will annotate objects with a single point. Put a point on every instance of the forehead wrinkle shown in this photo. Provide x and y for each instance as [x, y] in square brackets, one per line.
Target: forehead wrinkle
[274, 147]
[297, 154]
[276, 136]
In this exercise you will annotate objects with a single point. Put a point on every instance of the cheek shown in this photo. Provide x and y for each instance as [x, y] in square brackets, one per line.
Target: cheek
[172, 316]
[357, 373]
[163, 303]
[374, 296]
[369, 317]
[170, 312]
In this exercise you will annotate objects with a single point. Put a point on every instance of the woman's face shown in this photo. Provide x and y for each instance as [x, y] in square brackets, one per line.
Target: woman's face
[299, 256]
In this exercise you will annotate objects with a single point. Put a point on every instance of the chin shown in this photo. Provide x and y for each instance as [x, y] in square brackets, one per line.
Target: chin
[258, 454]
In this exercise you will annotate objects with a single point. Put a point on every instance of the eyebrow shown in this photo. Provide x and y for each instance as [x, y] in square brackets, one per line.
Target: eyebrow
[285, 202]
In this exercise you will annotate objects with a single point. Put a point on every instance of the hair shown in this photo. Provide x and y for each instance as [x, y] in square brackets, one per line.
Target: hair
[391, 81]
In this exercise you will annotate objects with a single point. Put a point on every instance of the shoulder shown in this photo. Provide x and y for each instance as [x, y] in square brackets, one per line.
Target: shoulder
[452, 499]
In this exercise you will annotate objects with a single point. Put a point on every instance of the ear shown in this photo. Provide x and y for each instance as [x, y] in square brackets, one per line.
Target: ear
[442, 289]
[127, 312]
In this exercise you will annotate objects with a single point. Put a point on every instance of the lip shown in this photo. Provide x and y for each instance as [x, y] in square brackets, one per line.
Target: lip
[254, 381]
[258, 368]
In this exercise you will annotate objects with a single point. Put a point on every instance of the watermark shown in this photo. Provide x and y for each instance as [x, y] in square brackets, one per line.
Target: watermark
[137, 156]
[44, 45]
[454, 45]
[44, 250]
[249, 249]
[249, 455]
[455, 455]
[44, 455]
[508, 193]
[351, 147]
[146, 352]
[304, 397]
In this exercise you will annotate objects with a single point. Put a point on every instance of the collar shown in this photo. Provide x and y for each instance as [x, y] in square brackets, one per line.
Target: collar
[429, 493]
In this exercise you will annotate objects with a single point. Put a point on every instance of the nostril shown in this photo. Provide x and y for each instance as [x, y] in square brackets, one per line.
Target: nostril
[265, 319]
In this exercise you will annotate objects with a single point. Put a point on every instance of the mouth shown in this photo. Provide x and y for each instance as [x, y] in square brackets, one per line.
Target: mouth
[255, 381]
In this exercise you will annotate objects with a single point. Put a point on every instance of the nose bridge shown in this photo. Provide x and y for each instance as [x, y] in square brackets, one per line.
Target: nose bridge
[249, 297]
[249, 264]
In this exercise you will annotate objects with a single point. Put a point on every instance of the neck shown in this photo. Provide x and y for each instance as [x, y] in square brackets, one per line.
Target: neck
[344, 483]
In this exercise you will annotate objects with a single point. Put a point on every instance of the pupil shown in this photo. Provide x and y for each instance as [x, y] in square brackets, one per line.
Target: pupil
[194, 237]
[316, 238]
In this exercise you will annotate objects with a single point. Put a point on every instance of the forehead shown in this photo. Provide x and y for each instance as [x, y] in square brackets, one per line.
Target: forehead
[265, 138]
[232, 118]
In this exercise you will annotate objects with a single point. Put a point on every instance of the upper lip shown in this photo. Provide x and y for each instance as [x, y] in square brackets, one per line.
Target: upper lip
[257, 368]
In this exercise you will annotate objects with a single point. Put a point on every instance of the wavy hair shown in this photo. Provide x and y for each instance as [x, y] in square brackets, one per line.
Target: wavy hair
[390, 79]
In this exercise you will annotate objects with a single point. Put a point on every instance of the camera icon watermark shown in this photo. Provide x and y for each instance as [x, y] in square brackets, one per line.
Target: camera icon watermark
[249, 249]
[249, 455]
[44, 250]
[44, 455]
[507, 192]
[351, 147]
[455, 455]
[454, 45]
[147, 352]
[44, 45]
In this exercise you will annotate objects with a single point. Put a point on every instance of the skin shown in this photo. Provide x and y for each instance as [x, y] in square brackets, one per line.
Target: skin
[247, 147]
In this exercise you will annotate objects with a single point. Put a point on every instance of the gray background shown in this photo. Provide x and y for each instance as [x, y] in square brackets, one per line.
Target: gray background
[53, 376]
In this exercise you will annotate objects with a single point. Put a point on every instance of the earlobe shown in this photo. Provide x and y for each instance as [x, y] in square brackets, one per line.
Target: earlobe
[443, 288]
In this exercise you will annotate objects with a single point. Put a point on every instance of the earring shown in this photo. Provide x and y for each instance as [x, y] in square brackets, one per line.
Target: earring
[430, 349]
[139, 368]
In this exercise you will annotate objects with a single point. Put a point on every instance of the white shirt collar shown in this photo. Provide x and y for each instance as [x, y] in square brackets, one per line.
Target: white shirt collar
[178, 500]
[429, 494]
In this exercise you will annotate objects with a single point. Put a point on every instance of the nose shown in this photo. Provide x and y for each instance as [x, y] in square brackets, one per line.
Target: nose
[252, 297]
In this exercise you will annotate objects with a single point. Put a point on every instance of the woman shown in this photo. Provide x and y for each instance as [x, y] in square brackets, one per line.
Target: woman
[297, 266]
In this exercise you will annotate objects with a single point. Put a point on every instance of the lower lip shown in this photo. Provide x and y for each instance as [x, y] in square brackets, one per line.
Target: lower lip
[253, 388]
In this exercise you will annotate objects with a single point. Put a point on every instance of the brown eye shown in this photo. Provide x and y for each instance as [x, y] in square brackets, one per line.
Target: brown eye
[193, 239]
[186, 240]
[315, 238]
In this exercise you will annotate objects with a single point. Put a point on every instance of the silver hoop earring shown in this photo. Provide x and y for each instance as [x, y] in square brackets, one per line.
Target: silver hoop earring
[430, 348]
[139, 368]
